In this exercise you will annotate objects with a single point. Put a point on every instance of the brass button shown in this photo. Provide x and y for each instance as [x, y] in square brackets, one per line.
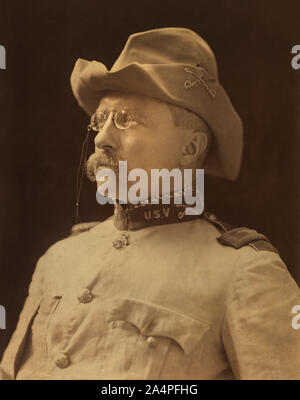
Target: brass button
[85, 296]
[121, 242]
[62, 360]
[151, 341]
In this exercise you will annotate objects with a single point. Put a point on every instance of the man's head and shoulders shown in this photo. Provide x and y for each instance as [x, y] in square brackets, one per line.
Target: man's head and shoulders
[169, 273]
[161, 106]
[182, 117]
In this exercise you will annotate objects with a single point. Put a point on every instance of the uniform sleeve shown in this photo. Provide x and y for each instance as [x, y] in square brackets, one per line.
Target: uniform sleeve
[258, 335]
[35, 293]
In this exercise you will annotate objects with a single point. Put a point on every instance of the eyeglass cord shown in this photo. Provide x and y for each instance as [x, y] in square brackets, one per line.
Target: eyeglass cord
[80, 172]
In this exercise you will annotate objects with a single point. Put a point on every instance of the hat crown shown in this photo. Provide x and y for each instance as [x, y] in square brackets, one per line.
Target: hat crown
[167, 46]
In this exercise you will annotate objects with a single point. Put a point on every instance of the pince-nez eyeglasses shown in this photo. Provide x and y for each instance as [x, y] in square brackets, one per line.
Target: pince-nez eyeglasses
[121, 119]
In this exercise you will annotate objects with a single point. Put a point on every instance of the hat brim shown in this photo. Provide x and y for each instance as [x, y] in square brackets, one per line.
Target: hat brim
[166, 82]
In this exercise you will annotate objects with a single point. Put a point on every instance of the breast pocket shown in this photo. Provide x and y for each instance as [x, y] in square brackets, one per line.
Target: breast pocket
[147, 332]
[40, 327]
[12, 357]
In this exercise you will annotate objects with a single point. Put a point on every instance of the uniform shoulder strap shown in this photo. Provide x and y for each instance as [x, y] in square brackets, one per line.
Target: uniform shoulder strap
[82, 227]
[239, 237]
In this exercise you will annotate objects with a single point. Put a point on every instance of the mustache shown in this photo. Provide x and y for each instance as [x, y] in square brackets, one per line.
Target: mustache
[100, 159]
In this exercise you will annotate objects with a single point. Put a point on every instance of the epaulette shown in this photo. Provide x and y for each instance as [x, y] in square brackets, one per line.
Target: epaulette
[239, 237]
[82, 227]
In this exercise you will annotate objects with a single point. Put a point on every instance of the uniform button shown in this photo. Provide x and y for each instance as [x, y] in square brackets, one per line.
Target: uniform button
[121, 242]
[151, 341]
[62, 360]
[212, 217]
[85, 296]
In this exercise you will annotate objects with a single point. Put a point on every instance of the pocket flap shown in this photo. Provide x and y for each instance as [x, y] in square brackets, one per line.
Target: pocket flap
[155, 320]
[15, 347]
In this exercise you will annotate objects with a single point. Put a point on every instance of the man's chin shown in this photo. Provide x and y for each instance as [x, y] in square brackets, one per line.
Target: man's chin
[102, 167]
[109, 191]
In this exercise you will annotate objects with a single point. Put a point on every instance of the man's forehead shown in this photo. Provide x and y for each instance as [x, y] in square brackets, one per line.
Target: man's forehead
[117, 100]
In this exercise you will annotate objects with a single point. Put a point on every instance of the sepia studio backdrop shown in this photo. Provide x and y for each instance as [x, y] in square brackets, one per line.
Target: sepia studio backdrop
[42, 128]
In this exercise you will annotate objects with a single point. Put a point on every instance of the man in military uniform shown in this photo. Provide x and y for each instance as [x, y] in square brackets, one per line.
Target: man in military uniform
[152, 293]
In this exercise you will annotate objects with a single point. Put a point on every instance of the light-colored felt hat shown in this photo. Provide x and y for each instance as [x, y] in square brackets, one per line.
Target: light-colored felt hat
[177, 66]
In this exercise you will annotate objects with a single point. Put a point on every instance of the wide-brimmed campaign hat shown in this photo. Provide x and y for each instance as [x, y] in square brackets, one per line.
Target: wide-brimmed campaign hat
[177, 66]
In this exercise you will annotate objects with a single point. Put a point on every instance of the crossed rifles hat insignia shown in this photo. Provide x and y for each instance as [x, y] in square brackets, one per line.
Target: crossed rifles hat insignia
[202, 77]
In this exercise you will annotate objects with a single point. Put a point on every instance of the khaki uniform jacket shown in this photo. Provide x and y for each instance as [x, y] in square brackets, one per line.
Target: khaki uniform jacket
[167, 301]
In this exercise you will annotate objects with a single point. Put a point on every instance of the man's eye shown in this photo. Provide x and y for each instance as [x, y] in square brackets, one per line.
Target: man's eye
[98, 121]
[123, 120]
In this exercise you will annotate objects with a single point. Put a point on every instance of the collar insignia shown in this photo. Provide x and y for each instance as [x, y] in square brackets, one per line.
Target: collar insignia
[138, 216]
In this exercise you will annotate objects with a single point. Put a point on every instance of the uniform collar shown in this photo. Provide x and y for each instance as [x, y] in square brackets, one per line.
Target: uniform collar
[132, 217]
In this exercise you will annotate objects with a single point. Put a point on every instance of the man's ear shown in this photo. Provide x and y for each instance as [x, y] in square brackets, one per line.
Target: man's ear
[194, 145]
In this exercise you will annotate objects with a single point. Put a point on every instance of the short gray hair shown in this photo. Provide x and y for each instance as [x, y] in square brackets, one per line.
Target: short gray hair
[186, 119]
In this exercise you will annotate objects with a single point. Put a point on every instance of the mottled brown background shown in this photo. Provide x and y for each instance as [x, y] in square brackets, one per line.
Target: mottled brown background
[41, 126]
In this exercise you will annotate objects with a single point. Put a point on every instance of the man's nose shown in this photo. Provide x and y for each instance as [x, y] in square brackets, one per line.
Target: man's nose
[107, 137]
